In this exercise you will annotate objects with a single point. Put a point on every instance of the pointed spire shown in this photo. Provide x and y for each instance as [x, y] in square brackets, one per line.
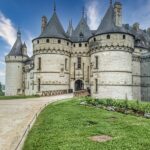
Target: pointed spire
[110, 2]
[19, 33]
[54, 6]
[83, 12]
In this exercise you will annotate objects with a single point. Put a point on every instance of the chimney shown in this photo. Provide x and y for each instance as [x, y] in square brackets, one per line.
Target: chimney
[118, 14]
[44, 23]
[136, 26]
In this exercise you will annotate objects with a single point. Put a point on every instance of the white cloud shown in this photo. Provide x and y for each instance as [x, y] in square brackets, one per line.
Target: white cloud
[93, 13]
[2, 73]
[7, 30]
[2, 62]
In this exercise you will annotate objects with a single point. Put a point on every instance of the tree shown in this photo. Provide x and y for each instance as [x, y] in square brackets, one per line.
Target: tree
[1, 90]
[0, 87]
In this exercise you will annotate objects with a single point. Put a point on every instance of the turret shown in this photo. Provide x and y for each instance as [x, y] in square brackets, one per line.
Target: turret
[111, 59]
[118, 13]
[14, 67]
[24, 49]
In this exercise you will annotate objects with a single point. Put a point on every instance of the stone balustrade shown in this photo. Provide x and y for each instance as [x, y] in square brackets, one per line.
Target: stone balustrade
[54, 93]
[81, 93]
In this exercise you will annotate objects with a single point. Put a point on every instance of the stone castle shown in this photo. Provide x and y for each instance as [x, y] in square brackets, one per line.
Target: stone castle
[113, 61]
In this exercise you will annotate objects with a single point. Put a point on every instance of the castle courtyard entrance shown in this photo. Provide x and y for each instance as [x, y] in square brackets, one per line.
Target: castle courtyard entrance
[79, 85]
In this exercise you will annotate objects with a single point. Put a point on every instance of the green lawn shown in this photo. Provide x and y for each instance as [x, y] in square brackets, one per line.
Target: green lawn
[67, 126]
[16, 97]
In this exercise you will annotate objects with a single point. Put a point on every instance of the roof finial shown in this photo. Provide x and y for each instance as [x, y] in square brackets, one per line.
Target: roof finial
[110, 2]
[83, 12]
[54, 6]
[18, 33]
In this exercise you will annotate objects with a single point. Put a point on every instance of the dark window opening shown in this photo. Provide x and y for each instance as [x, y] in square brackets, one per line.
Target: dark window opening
[37, 41]
[67, 43]
[66, 63]
[96, 59]
[80, 45]
[39, 85]
[81, 36]
[96, 85]
[94, 39]
[79, 63]
[47, 41]
[59, 41]
[39, 63]
[108, 36]
[124, 37]
[74, 45]
[85, 45]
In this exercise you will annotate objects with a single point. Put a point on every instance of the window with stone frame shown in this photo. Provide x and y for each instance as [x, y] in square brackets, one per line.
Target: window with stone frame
[39, 63]
[66, 64]
[96, 85]
[79, 63]
[96, 62]
[39, 85]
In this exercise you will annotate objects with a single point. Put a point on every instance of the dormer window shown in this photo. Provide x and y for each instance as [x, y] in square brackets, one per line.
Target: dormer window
[108, 36]
[81, 36]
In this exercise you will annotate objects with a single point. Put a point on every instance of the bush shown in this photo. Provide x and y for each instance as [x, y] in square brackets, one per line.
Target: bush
[135, 106]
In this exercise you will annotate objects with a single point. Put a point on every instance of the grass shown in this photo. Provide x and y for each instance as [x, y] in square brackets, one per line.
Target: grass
[67, 126]
[16, 97]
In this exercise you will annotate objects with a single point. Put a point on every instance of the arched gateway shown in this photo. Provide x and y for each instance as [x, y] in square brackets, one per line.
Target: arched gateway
[79, 85]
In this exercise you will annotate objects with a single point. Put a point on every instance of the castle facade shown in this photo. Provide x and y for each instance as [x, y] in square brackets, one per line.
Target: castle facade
[113, 61]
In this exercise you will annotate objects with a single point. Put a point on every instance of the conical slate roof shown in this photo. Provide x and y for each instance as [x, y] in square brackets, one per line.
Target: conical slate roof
[54, 28]
[82, 31]
[108, 23]
[17, 47]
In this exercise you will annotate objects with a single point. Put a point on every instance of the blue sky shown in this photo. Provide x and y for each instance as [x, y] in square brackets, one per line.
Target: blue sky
[27, 15]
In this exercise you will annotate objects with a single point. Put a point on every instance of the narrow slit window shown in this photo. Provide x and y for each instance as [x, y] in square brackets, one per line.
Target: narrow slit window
[96, 62]
[39, 63]
[96, 85]
[39, 85]
[79, 63]
[66, 63]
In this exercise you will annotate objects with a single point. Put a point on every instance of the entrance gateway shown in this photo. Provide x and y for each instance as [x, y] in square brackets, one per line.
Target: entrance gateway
[79, 85]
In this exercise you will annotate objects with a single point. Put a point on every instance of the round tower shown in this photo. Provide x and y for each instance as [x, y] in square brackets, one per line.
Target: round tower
[14, 68]
[111, 60]
[51, 52]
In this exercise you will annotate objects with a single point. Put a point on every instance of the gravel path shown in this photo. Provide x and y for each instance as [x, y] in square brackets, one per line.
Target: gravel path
[15, 115]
